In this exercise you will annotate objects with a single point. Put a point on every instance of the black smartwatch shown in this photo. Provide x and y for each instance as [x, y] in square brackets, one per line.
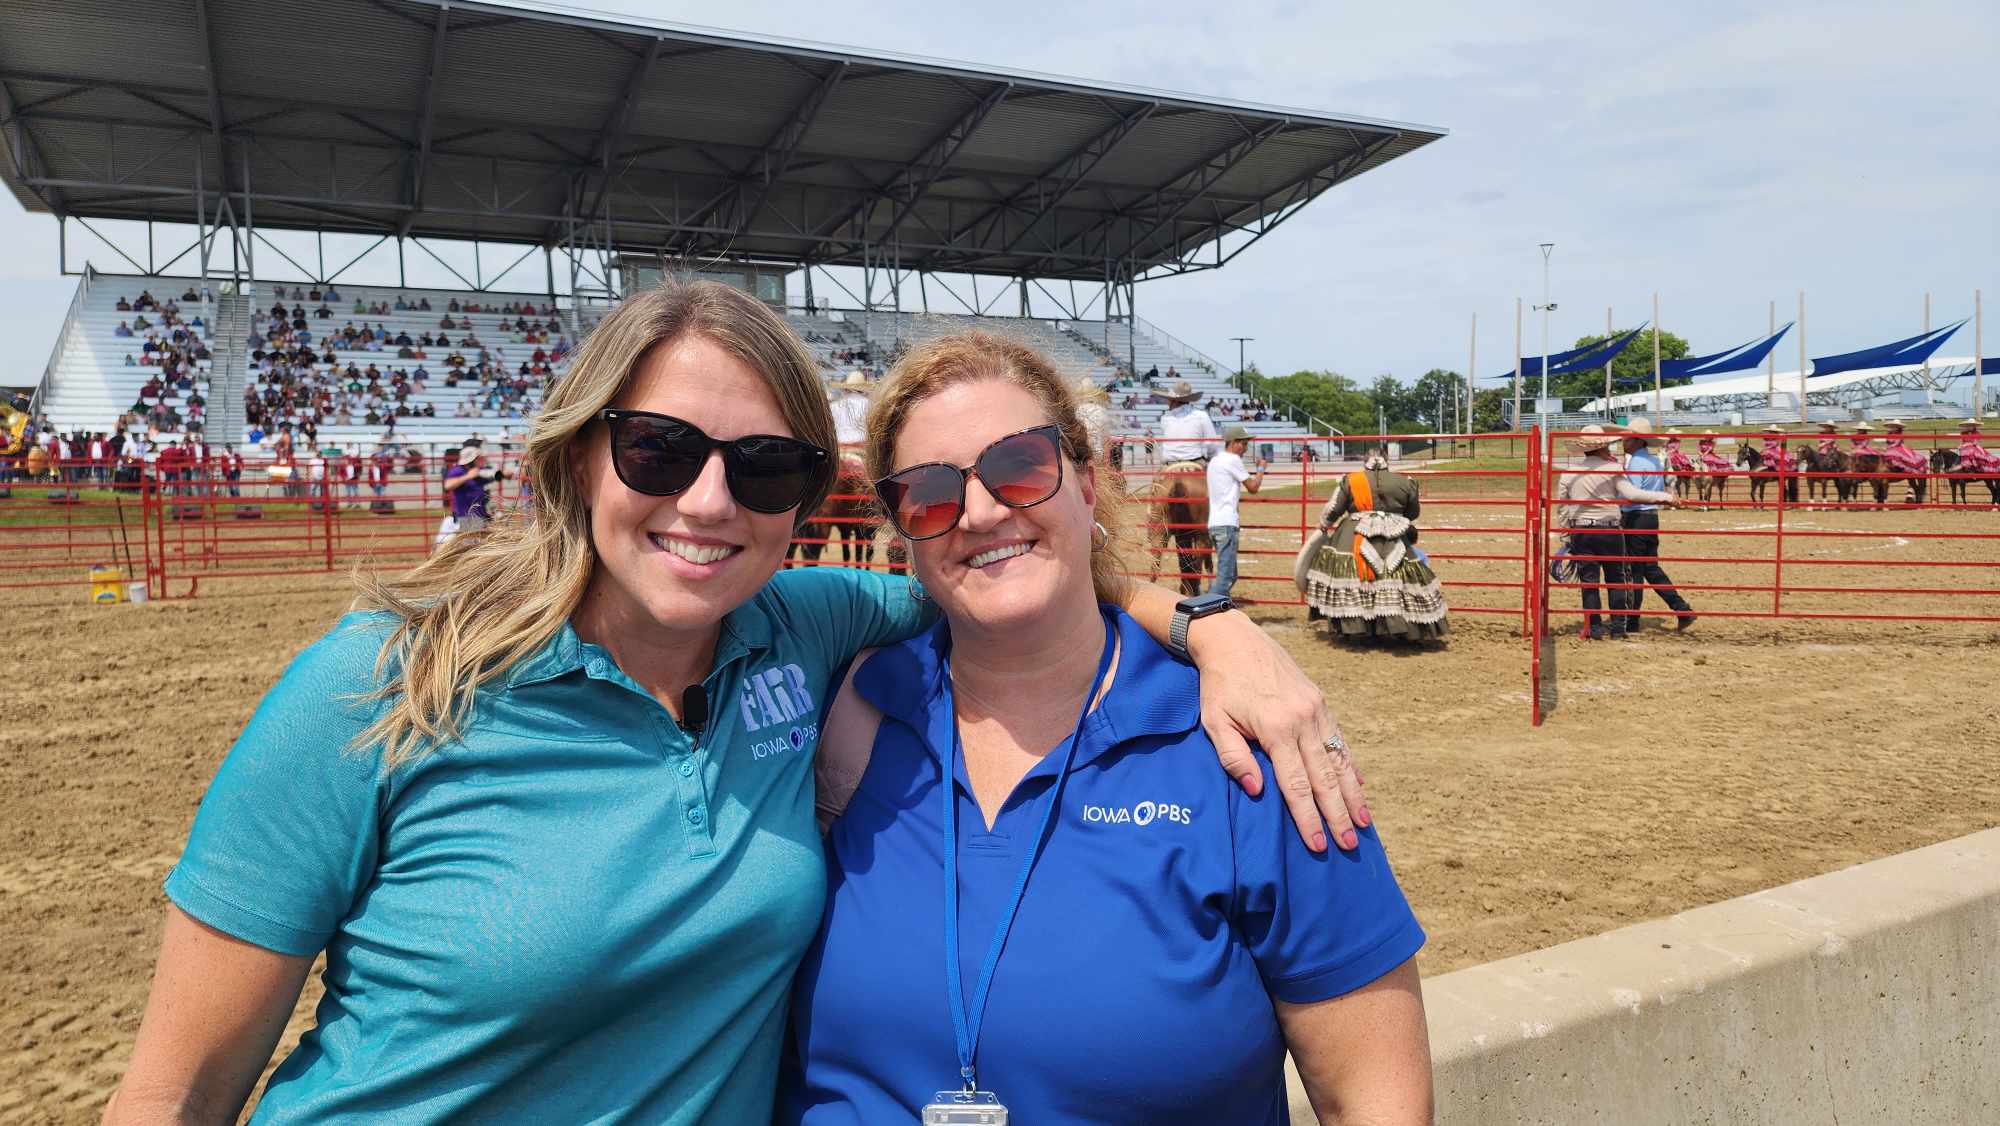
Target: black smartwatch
[1188, 610]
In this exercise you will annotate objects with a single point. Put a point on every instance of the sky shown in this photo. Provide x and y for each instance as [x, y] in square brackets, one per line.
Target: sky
[1723, 156]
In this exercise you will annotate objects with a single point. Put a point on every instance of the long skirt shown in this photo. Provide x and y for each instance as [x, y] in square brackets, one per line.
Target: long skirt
[1404, 603]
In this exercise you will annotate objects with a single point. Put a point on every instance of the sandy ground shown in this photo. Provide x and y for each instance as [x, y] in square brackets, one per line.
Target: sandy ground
[1677, 769]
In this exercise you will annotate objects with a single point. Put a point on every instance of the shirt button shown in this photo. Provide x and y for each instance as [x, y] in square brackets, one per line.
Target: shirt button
[694, 816]
[687, 768]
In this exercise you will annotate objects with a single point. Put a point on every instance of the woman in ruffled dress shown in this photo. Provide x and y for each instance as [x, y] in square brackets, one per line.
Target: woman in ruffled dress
[1363, 571]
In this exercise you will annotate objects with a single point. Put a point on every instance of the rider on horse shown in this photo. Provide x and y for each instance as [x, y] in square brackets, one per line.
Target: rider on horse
[1829, 439]
[1898, 455]
[1711, 460]
[1677, 461]
[1972, 453]
[1777, 457]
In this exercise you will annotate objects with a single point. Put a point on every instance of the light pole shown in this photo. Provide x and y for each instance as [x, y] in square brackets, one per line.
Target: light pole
[1240, 342]
[1546, 307]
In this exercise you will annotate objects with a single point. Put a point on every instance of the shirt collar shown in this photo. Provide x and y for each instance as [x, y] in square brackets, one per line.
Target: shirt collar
[746, 631]
[1151, 694]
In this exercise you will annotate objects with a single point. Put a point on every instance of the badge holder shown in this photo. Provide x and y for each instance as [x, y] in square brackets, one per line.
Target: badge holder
[964, 1108]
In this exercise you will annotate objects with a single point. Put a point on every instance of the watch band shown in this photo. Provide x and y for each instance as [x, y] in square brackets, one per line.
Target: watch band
[1177, 634]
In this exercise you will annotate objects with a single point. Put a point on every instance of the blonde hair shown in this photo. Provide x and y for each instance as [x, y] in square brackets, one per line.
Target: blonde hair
[972, 357]
[485, 601]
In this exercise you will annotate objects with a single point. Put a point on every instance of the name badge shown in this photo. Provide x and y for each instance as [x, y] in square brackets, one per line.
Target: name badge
[964, 1108]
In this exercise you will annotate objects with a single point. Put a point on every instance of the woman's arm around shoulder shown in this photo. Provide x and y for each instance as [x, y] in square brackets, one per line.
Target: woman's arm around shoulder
[217, 1008]
[846, 740]
[1251, 689]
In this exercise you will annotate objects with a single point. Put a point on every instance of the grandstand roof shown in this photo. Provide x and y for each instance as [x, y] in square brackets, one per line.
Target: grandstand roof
[513, 123]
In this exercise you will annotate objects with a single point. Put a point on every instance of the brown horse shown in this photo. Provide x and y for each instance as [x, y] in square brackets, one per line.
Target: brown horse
[849, 512]
[1837, 488]
[1177, 510]
[1868, 466]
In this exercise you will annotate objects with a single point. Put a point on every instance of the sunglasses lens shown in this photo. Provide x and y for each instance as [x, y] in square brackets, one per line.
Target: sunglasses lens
[770, 474]
[657, 456]
[924, 500]
[1022, 470]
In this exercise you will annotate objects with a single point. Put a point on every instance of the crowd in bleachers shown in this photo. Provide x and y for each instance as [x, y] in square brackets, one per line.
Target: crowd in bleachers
[300, 381]
[173, 396]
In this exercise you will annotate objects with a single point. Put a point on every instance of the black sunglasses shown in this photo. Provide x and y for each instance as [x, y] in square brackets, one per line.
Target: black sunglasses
[660, 455]
[1020, 471]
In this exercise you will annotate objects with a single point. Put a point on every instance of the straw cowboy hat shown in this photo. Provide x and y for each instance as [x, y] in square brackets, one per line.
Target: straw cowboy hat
[1673, 432]
[1642, 429]
[1863, 428]
[1828, 427]
[856, 380]
[1591, 438]
[1969, 424]
[1774, 428]
[1893, 424]
[1182, 393]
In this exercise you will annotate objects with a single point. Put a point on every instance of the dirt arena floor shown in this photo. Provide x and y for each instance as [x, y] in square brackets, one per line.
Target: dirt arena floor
[1677, 769]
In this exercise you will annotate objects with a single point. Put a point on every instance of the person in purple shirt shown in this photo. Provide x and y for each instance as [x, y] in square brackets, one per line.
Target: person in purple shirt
[465, 486]
[1040, 893]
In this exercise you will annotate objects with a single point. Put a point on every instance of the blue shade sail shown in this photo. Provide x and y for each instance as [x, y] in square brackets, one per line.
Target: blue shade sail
[1919, 346]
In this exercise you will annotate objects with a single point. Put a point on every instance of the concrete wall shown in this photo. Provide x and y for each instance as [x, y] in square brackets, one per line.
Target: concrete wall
[1866, 996]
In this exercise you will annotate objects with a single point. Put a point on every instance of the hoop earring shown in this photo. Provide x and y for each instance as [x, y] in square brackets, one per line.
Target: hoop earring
[1100, 536]
[917, 590]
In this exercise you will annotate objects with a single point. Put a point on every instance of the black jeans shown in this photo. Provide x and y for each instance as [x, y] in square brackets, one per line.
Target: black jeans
[1592, 572]
[1642, 565]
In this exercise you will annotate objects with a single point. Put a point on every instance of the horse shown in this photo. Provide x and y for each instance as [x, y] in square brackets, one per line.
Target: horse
[1814, 460]
[1712, 486]
[848, 510]
[1751, 456]
[1959, 477]
[1869, 466]
[1177, 510]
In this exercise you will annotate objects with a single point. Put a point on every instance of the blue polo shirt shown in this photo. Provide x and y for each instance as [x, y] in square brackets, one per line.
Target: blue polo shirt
[576, 913]
[1644, 469]
[1167, 913]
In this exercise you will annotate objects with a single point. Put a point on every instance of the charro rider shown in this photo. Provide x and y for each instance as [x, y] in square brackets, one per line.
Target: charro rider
[1678, 462]
[1187, 434]
[1863, 441]
[1972, 454]
[1902, 459]
[1363, 571]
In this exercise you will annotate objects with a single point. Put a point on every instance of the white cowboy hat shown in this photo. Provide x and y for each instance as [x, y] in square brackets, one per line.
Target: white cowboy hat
[1863, 428]
[855, 379]
[1642, 429]
[1969, 424]
[1828, 427]
[1774, 428]
[1674, 432]
[1182, 393]
[1893, 424]
[1592, 437]
[468, 454]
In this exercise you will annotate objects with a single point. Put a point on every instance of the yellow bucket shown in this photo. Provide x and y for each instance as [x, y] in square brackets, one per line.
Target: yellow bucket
[107, 585]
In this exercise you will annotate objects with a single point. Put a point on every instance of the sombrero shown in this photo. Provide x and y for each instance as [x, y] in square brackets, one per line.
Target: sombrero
[1642, 429]
[1592, 437]
[1774, 428]
[1182, 393]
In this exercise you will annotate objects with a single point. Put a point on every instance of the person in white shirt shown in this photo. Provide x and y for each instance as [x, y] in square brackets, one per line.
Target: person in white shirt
[1186, 431]
[850, 410]
[1228, 479]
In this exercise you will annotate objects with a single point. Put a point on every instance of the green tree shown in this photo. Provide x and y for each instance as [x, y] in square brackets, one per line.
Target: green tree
[1435, 400]
[1631, 369]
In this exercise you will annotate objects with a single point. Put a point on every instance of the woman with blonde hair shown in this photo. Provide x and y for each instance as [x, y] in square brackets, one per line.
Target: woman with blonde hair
[545, 802]
[1041, 898]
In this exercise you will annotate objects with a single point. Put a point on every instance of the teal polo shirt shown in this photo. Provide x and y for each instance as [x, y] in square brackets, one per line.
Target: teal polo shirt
[576, 913]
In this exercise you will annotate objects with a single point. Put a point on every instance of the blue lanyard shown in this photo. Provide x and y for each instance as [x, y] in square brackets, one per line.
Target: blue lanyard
[964, 1024]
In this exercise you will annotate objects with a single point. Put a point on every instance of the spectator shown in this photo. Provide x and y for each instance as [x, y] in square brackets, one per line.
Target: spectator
[1227, 479]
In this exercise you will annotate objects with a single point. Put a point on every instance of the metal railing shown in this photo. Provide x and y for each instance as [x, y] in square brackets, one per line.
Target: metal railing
[76, 301]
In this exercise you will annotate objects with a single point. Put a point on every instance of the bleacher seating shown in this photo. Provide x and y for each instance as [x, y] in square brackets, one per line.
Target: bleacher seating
[91, 387]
